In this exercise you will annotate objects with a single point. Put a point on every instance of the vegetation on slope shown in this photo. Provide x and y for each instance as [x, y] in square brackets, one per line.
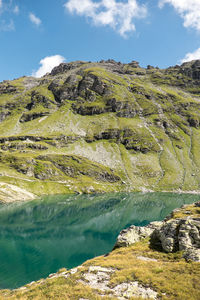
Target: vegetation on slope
[141, 126]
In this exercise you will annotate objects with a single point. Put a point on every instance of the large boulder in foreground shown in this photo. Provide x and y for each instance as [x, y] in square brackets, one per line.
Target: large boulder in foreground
[178, 232]
[180, 235]
[134, 234]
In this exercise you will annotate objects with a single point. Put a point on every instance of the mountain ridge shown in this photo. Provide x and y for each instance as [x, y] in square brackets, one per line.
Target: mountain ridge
[100, 127]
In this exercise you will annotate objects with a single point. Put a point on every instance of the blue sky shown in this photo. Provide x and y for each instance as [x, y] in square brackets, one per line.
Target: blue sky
[37, 35]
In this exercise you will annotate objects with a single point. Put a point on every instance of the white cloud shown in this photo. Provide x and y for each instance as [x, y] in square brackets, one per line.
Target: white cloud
[35, 20]
[7, 26]
[47, 64]
[191, 56]
[116, 14]
[189, 10]
[16, 10]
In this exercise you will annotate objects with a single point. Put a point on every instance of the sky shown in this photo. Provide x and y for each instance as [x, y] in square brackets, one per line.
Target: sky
[37, 35]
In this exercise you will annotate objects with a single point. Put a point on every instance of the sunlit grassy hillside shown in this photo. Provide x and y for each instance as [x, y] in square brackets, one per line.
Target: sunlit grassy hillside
[99, 127]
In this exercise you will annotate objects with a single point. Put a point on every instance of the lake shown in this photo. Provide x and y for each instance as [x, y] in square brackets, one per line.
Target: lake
[39, 237]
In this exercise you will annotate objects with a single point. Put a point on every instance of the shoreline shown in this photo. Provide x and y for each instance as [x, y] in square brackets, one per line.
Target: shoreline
[26, 194]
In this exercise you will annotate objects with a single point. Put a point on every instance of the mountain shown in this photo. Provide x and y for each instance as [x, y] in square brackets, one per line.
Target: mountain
[100, 127]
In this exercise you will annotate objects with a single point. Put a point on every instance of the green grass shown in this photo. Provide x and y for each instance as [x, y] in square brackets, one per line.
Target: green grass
[149, 156]
[170, 276]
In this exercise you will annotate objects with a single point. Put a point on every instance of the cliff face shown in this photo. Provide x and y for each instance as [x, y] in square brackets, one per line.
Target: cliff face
[107, 126]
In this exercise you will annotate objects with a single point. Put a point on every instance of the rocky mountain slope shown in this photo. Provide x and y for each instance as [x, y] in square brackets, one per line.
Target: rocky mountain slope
[159, 261]
[95, 127]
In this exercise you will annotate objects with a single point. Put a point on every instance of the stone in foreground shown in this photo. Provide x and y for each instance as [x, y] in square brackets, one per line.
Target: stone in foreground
[172, 235]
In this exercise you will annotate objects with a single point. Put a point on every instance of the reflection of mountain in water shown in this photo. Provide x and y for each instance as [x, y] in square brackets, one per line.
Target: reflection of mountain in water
[38, 237]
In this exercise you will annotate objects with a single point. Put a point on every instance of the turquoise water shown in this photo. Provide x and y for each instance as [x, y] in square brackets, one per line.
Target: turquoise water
[39, 237]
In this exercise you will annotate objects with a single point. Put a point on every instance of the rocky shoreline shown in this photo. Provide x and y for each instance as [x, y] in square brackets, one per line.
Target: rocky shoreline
[158, 261]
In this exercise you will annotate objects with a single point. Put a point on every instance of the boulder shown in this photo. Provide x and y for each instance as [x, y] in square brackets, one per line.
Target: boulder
[134, 64]
[179, 235]
[170, 235]
[135, 234]
[191, 69]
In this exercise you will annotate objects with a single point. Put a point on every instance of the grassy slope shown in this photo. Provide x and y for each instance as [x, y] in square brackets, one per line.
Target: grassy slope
[152, 157]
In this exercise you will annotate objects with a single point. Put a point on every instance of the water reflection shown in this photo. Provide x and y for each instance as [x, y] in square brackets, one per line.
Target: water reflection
[41, 236]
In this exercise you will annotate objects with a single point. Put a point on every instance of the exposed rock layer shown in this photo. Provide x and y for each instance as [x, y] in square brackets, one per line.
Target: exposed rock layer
[139, 127]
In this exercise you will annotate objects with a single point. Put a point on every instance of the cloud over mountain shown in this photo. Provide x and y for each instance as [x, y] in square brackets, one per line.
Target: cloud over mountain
[118, 15]
[47, 64]
[189, 10]
[191, 56]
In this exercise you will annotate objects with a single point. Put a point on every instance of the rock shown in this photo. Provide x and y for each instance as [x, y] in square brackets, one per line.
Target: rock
[194, 122]
[149, 67]
[134, 64]
[170, 235]
[64, 67]
[179, 235]
[134, 289]
[4, 115]
[191, 69]
[135, 234]
[8, 192]
[129, 138]
[32, 116]
[192, 254]
[7, 88]
[85, 87]
[85, 110]
[124, 109]
[144, 258]
[98, 278]
[74, 166]
[166, 236]
[38, 99]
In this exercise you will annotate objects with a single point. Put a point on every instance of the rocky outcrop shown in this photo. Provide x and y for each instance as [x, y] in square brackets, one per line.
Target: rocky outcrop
[134, 234]
[191, 69]
[171, 235]
[29, 117]
[87, 87]
[64, 67]
[139, 272]
[9, 191]
[4, 115]
[98, 278]
[74, 166]
[7, 88]
[38, 99]
[130, 139]
[85, 110]
[142, 123]
[124, 109]
[179, 235]
[22, 146]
